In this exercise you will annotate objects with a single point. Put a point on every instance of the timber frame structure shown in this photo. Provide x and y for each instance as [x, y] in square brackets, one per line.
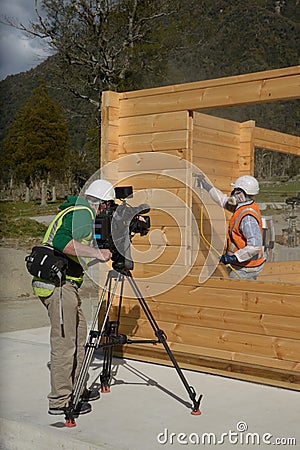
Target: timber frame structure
[242, 329]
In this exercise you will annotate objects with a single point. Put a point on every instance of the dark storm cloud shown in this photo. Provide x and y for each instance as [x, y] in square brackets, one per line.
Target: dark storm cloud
[18, 53]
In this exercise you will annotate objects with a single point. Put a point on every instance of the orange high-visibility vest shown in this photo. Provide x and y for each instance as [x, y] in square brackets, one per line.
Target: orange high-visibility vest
[237, 241]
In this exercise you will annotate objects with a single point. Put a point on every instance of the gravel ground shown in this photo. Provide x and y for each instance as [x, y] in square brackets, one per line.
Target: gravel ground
[19, 308]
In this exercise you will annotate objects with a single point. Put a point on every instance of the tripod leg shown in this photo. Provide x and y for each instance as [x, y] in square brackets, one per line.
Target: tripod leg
[162, 339]
[112, 332]
[92, 344]
[105, 376]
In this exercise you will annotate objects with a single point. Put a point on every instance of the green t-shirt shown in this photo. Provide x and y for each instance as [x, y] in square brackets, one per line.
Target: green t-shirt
[76, 225]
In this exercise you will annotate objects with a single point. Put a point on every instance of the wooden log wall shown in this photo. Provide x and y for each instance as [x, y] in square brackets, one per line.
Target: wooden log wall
[248, 330]
[242, 329]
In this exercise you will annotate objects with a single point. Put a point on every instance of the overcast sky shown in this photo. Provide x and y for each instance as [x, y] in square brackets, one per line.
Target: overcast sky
[17, 52]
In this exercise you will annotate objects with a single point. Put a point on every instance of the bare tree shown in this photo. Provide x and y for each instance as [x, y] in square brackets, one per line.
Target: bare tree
[101, 44]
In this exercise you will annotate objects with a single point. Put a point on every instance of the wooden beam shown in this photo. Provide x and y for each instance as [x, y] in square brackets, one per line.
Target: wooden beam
[260, 87]
[280, 142]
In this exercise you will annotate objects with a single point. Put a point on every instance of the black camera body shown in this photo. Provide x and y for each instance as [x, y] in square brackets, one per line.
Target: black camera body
[115, 226]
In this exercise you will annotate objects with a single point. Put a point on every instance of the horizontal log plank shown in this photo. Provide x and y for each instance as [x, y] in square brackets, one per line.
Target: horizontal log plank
[215, 123]
[232, 80]
[170, 140]
[261, 345]
[190, 351]
[212, 151]
[211, 166]
[215, 318]
[196, 98]
[143, 162]
[277, 141]
[226, 140]
[242, 371]
[151, 180]
[231, 285]
[154, 123]
[252, 301]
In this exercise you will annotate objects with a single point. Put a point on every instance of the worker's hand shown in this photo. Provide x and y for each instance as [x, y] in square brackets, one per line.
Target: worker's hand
[228, 259]
[103, 254]
[202, 182]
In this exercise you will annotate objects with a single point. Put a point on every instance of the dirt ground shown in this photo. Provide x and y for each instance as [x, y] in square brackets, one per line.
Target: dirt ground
[19, 308]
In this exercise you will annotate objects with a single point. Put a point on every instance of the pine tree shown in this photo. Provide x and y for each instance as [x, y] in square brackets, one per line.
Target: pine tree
[36, 146]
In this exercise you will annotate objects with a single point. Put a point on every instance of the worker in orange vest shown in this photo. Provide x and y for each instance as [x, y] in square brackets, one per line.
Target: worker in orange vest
[244, 243]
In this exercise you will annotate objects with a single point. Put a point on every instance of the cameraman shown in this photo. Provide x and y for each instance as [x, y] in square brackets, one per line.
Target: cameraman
[71, 232]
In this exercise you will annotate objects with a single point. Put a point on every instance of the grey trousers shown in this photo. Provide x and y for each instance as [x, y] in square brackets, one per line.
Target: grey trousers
[67, 345]
[246, 273]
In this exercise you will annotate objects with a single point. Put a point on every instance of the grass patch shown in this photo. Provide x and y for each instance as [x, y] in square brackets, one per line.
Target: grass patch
[21, 209]
[15, 222]
[278, 191]
[21, 228]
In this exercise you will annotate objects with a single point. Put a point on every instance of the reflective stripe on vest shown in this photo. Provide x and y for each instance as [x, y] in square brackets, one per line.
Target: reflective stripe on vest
[57, 223]
[237, 241]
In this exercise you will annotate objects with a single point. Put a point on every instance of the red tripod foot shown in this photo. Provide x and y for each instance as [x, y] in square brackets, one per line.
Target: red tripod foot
[105, 389]
[196, 412]
[70, 423]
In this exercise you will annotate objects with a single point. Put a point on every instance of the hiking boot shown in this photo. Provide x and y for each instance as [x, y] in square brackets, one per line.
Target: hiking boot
[82, 408]
[89, 395]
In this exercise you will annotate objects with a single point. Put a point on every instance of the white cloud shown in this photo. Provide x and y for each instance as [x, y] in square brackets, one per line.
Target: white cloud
[18, 53]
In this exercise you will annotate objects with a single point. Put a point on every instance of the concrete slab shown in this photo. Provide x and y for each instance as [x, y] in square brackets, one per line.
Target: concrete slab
[146, 409]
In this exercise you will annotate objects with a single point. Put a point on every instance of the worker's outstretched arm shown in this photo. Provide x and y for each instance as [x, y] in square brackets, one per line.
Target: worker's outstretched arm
[215, 194]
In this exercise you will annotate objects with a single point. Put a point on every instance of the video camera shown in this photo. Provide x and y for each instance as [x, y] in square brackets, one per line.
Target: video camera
[115, 226]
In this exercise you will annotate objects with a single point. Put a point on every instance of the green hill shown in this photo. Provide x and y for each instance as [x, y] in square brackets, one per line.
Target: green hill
[223, 38]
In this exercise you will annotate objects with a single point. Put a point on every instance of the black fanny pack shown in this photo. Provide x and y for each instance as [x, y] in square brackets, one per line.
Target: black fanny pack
[47, 263]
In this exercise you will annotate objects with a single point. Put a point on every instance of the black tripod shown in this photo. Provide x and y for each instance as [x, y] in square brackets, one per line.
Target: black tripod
[108, 337]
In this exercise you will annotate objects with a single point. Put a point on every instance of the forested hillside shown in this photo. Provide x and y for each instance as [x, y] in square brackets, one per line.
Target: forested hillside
[187, 41]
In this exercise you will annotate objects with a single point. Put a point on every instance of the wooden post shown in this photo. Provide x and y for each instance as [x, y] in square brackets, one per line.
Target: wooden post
[246, 151]
[109, 127]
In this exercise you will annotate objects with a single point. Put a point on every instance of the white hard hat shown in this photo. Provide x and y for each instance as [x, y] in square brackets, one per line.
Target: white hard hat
[248, 183]
[101, 189]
